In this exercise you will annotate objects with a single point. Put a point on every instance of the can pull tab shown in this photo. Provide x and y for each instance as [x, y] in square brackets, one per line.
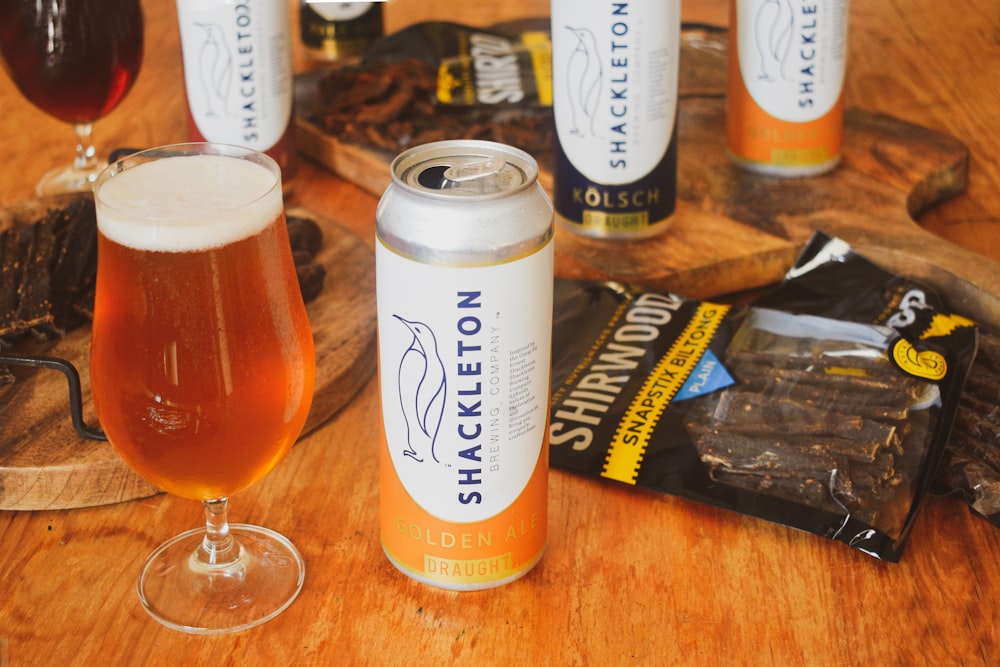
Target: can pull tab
[469, 176]
[469, 171]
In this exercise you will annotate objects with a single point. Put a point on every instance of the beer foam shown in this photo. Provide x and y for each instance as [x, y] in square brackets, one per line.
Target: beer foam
[186, 203]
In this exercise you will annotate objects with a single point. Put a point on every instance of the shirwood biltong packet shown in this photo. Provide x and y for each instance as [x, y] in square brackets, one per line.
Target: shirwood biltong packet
[821, 423]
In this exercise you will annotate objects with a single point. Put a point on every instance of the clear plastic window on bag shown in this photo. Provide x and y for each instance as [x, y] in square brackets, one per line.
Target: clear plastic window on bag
[818, 415]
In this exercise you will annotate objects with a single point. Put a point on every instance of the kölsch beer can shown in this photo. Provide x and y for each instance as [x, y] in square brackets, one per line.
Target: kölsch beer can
[615, 89]
[785, 103]
[338, 30]
[464, 281]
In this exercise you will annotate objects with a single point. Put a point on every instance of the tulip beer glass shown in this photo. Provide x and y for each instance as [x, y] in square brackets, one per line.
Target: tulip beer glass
[75, 60]
[202, 366]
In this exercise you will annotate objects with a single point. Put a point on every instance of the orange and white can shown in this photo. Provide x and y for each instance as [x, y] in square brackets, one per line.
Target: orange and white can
[464, 284]
[785, 103]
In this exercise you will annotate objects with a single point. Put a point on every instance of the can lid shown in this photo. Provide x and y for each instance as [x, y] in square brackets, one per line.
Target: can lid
[465, 169]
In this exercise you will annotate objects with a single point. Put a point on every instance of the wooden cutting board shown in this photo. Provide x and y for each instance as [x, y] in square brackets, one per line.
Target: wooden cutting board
[735, 231]
[45, 464]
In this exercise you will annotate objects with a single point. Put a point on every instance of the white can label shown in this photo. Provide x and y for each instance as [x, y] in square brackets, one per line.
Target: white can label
[237, 69]
[792, 55]
[615, 85]
[464, 364]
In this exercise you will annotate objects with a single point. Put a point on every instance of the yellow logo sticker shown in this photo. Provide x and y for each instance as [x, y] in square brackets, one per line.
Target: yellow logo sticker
[925, 364]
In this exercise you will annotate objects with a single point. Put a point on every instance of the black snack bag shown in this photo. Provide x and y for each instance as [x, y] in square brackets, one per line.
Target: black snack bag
[823, 424]
[504, 64]
[970, 465]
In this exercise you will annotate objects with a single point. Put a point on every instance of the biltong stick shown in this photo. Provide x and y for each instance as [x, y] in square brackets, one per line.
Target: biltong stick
[979, 419]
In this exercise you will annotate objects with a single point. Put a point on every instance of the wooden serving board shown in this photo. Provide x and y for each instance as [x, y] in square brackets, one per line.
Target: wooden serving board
[733, 230]
[44, 464]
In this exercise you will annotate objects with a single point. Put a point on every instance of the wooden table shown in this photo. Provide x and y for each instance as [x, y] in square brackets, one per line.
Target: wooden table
[629, 577]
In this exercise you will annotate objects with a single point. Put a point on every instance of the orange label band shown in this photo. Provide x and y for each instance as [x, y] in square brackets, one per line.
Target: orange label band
[754, 136]
[469, 555]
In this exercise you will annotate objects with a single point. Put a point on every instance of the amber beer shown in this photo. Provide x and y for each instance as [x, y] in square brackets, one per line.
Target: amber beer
[207, 363]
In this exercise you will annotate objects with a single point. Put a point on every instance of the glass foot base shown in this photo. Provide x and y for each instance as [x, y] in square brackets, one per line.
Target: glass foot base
[183, 593]
[64, 180]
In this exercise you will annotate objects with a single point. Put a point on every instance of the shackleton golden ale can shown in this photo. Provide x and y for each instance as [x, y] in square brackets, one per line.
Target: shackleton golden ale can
[464, 284]
[785, 103]
[614, 98]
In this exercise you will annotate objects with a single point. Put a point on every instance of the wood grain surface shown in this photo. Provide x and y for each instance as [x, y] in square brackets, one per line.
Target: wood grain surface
[46, 464]
[629, 578]
[735, 231]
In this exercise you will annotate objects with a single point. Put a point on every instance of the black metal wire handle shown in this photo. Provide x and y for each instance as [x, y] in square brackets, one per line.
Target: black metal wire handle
[72, 378]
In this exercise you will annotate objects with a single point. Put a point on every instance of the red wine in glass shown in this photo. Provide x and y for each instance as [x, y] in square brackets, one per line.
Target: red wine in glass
[74, 60]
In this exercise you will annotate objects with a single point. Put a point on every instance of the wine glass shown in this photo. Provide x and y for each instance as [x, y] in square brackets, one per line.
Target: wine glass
[75, 60]
[202, 366]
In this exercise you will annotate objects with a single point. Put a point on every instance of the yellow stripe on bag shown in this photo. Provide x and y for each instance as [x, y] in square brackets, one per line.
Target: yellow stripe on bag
[541, 60]
[636, 426]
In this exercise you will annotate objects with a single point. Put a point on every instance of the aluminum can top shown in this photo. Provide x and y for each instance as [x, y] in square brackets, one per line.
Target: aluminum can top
[464, 169]
[464, 202]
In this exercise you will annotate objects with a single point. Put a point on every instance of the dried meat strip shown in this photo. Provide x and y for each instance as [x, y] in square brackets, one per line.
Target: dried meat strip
[304, 235]
[738, 454]
[978, 481]
[829, 399]
[306, 238]
[988, 354]
[73, 267]
[50, 266]
[972, 445]
[813, 358]
[754, 413]
[972, 456]
[391, 106]
[817, 445]
[979, 419]
[983, 384]
[887, 387]
[27, 305]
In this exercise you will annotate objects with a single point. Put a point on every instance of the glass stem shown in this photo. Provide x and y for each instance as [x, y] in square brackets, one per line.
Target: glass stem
[86, 155]
[218, 548]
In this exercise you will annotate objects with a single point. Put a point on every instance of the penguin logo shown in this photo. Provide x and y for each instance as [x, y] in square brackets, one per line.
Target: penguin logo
[215, 67]
[584, 76]
[774, 27]
[422, 389]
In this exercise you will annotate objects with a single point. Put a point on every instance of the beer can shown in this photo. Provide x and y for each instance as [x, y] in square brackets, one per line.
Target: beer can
[464, 284]
[238, 79]
[335, 30]
[615, 90]
[785, 103]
